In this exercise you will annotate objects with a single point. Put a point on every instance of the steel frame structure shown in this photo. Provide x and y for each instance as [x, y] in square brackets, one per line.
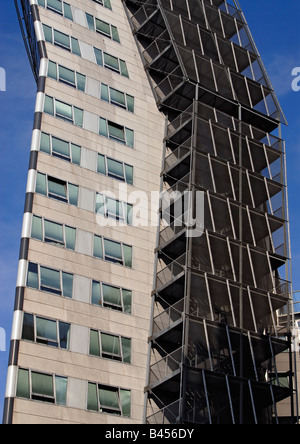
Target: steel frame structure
[216, 330]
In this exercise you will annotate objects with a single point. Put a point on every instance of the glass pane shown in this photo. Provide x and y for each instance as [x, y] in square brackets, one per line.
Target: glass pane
[101, 168]
[73, 194]
[90, 21]
[42, 384]
[50, 279]
[61, 39]
[28, 327]
[102, 27]
[23, 388]
[129, 174]
[66, 75]
[127, 300]
[45, 143]
[41, 3]
[54, 233]
[48, 33]
[129, 214]
[129, 137]
[41, 186]
[60, 147]
[110, 345]
[98, 247]
[115, 168]
[37, 228]
[76, 154]
[46, 329]
[96, 293]
[78, 117]
[107, 4]
[117, 97]
[52, 70]
[127, 255]
[126, 402]
[49, 106]
[61, 390]
[94, 343]
[100, 208]
[75, 47]
[33, 276]
[109, 397]
[63, 110]
[116, 132]
[64, 335]
[111, 62]
[103, 127]
[126, 350]
[115, 34]
[111, 295]
[57, 187]
[68, 11]
[113, 250]
[67, 285]
[114, 208]
[80, 82]
[99, 58]
[123, 68]
[104, 92]
[55, 4]
[92, 403]
[70, 237]
[130, 103]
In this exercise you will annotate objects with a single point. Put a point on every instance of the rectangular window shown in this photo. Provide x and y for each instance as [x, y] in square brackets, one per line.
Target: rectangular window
[60, 148]
[61, 40]
[42, 387]
[115, 169]
[66, 76]
[109, 400]
[111, 62]
[58, 7]
[116, 132]
[117, 98]
[61, 110]
[50, 280]
[108, 296]
[53, 233]
[113, 208]
[46, 331]
[110, 346]
[57, 189]
[103, 28]
[105, 3]
[112, 251]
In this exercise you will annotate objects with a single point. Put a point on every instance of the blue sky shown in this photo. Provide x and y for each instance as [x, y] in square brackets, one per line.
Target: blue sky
[275, 27]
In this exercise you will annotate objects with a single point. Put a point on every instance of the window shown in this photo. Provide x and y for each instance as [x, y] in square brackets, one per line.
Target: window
[60, 148]
[105, 3]
[103, 28]
[110, 400]
[110, 346]
[53, 233]
[57, 189]
[67, 76]
[46, 331]
[57, 6]
[108, 296]
[61, 40]
[117, 98]
[116, 132]
[112, 251]
[61, 110]
[117, 170]
[111, 62]
[42, 387]
[50, 280]
[113, 208]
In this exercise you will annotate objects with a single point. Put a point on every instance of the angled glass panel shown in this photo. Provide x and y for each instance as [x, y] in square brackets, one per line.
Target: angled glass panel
[49, 106]
[115, 169]
[61, 390]
[117, 98]
[92, 402]
[75, 47]
[99, 56]
[80, 79]
[48, 33]
[64, 335]
[54, 233]
[28, 327]
[129, 174]
[111, 62]
[127, 255]
[46, 331]
[101, 167]
[57, 189]
[23, 386]
[98, 251]
[45, 145]
[94, 343]
[66, 76]
[126, 350]
[76, 154]
[109, 400]
[63, 111]
[104, 92]
[50, 280]
[68, 11]
[42, 385]
[55, 5]
[111, 296]
[67, 281]
[62, 40]
[102, 27]
[90, 21]
[73, 194]
[78, 117]
[61, 148]
[96, 293]
[37, 228]
[33, 276]
[70, 237]
[52, 70]
[126, 402]
[115, 34]
[113, 251]
[110, 345]
[127, 300]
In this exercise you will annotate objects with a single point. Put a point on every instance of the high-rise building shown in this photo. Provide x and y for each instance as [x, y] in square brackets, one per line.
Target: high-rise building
[137, 98]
